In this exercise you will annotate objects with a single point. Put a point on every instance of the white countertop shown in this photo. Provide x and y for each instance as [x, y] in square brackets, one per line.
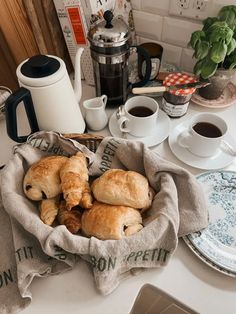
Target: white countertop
[186, 277]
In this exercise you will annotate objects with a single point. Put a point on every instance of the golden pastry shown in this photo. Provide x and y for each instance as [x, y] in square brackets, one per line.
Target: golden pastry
[112, 222]
[71, 219]
[49, 209]
[120, 187]
[42, 179]
[74, 182]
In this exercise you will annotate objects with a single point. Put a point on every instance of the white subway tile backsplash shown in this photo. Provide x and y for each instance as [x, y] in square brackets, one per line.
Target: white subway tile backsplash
[153, 22]
[148, 25]
[187, 61]
[178, 32]
[159, 7]
[171, 54]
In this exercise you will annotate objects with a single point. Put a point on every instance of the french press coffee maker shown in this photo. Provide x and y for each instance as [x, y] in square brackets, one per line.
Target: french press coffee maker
[110, 51]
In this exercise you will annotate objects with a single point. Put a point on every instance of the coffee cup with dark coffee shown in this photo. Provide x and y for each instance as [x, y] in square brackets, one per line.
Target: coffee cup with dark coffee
[205, 134]
[139, 116]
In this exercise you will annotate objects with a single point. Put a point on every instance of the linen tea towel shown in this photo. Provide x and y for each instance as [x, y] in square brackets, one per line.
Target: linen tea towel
[178, 208]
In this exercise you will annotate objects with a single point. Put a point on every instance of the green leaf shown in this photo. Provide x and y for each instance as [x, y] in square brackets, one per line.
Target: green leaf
[208, 68]
[218, 52]
[231, 46]
[196, 37]
[208, 22]
[198, 67]
[220, 32]
[201, 50]
[232, 60]
[229, 17]
[227, 8]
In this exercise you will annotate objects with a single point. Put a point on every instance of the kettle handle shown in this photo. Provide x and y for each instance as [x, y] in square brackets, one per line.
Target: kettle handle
[22, 94]
[143, 52]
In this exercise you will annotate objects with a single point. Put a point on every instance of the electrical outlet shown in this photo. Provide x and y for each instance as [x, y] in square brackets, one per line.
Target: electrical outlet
[193, 9]
[184, 4]
[200, 5]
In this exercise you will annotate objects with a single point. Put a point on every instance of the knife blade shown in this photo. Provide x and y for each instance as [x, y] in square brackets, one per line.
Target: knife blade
[155, 89]
[188, 85]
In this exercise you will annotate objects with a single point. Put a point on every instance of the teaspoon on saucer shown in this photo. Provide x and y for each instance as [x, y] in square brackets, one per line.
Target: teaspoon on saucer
[119, 114]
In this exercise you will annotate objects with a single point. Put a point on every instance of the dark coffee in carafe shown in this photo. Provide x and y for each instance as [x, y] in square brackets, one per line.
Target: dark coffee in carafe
[112, 80]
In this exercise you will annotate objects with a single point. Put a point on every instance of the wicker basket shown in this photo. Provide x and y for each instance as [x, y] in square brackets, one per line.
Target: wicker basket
[91, 141]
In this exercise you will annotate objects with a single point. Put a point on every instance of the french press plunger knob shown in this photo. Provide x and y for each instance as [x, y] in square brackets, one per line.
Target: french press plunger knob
[108, 16]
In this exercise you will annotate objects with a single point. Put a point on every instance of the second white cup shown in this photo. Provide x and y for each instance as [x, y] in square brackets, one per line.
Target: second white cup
[204, 135]
[140, 116]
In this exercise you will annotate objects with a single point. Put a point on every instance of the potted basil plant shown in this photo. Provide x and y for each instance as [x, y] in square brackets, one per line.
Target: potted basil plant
[215, 50]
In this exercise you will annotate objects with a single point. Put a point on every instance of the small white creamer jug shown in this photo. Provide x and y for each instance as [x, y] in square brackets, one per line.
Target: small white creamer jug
[48, 96]
[95, 114]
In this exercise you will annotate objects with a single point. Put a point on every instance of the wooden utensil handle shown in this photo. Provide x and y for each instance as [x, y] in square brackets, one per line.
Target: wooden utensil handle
[147, 90]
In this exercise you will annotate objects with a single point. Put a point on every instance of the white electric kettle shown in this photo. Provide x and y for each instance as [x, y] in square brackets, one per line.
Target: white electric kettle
[51, 103]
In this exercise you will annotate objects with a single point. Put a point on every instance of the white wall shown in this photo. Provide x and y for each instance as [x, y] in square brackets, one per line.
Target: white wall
[153, 22]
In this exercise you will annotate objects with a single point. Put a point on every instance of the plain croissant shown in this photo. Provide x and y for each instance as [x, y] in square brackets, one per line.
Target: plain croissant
[71, 219]
[74, 182]
[49, 209]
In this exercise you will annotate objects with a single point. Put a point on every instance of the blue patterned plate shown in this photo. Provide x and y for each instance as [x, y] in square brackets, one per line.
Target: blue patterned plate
[216, 245]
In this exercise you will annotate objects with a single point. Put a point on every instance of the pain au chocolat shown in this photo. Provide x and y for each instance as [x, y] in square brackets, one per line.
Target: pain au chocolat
[120, 187]
[42, 179]
[110, 222]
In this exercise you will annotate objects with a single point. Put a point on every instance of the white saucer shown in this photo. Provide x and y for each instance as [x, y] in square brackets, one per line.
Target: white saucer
[218, 161]
[160, 133]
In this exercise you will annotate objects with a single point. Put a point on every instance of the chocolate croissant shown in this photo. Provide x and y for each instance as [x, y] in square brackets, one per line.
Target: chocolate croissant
[120, 187]
[74, 182]
[112, 222]
[42, 180]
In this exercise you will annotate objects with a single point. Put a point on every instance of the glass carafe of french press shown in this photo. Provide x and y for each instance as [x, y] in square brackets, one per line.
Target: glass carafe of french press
[110, 50]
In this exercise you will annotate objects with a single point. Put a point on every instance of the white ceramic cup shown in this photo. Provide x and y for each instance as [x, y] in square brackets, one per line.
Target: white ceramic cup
[139, 116]
[205, 134]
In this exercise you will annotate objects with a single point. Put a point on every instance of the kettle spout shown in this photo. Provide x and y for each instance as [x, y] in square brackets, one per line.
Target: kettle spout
[77, 80]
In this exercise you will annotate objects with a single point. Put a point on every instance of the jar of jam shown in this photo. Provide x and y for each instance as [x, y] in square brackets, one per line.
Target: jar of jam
[175, 102]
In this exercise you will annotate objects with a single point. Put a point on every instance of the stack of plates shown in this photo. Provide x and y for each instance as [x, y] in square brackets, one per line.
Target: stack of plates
[216, 245]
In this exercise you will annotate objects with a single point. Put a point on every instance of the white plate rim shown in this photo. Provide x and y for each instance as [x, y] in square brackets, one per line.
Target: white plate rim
[206, 260]
[150, 141]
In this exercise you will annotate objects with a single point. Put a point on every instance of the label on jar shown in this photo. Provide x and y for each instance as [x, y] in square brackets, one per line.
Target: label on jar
[174, 110]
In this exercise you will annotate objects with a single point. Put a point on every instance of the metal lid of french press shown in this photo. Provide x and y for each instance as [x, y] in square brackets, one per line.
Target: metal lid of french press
[110, 32]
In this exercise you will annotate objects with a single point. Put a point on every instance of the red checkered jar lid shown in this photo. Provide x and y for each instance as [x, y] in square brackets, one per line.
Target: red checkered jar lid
[179, 78]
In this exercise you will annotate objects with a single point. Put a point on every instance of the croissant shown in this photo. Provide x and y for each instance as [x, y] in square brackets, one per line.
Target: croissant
[74, 182]
[120, 187]
[42, 180]
[112, 222]
[71, 219]
[49, 209]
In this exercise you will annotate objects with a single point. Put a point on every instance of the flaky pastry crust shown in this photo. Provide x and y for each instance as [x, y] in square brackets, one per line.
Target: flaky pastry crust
[120, 187]
[110, 221]
[42, 179]
[74, 182]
